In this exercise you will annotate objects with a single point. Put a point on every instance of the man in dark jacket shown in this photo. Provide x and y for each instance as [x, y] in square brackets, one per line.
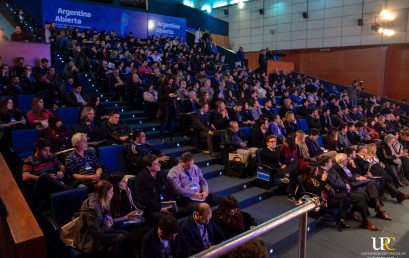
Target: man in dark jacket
[138, 148]
[358, 200]
[376, 170]
[360, 184]
[118, 131]
[202, 124]
[164, 240]
[151, 189]
[96, 133]
[200, 231]
[76, 98]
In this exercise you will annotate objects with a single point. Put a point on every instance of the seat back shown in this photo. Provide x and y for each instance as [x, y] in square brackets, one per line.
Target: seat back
[303, 125]
[113, 158]
[320, 141]
[24, 102]
[246, 131]
[323, 138]
[69, 116]
[66, 203]
[23, 141]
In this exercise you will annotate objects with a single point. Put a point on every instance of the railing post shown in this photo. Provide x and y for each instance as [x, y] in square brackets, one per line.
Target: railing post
[302, 236]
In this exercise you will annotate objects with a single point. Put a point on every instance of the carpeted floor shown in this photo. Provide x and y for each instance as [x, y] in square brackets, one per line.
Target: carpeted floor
[325, 241]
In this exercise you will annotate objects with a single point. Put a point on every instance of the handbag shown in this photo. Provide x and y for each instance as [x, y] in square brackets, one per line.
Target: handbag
[67, 232]
[236, 166]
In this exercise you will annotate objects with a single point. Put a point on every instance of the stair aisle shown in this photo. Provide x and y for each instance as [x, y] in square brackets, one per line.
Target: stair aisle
[257, 201]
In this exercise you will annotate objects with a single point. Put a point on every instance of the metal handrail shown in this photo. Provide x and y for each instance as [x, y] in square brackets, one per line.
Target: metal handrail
[302, 210]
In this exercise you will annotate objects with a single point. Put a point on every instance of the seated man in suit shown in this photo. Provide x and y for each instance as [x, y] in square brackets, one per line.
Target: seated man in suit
[219, 118]
[202, 124]
[236, 140]
[337, 119]
[303, 110]
[96, 133]
[118, 131]
[314, 120]
[82, 164]
[76, 98]
[287, 173]
[189, 185]
[235, 114]
[353, 135]
[288, 106]
[314, 148]
[343, 141]
[339, 186]
[200, 231]
[43, 171]
[259, 132]
[151, 188]
[359, 184]
[255, 109]
[326, 120]
[268, 108]
[369, 167]
[164, 239]
[276, 127]
[138, 148]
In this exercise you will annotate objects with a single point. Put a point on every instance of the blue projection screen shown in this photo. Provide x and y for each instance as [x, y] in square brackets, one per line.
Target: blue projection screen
[167, 26]
[123, 21]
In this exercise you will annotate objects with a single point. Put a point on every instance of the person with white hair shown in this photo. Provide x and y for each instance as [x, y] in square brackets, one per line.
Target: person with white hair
[82, 164]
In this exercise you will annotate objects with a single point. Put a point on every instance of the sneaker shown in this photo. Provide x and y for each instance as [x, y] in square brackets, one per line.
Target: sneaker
[285, 180]
[172, 139]
[163, 140]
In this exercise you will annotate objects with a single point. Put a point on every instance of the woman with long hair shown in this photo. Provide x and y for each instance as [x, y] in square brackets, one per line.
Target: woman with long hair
[290, 122]
[231, 219]
[331, 141]
[101, 114]
[94, 231]
[317, 184]
[167, 109]
[122, 205]
[11, 118]
[38, 116]
[58, 134]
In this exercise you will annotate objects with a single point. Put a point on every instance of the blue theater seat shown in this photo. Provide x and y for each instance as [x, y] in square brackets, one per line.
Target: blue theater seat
[303, 125]
[24, 102]
[23, 141]
[113, 158]
[320, 141]
[246, 131]
[69, 116]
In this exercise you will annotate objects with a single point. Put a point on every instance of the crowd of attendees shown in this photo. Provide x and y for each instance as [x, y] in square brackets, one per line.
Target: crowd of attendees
[364, 150]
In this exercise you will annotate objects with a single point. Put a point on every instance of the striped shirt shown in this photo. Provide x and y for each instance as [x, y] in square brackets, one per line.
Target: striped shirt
[37, 166]
[76, 164]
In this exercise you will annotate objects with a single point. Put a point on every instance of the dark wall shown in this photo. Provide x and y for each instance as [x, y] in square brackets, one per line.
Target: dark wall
[34, 8]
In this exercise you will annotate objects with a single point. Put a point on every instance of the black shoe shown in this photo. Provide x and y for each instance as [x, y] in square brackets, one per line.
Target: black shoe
[341, 224]
[401, 197]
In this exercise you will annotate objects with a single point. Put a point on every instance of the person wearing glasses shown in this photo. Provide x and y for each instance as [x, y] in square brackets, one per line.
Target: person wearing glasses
[286, 171]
